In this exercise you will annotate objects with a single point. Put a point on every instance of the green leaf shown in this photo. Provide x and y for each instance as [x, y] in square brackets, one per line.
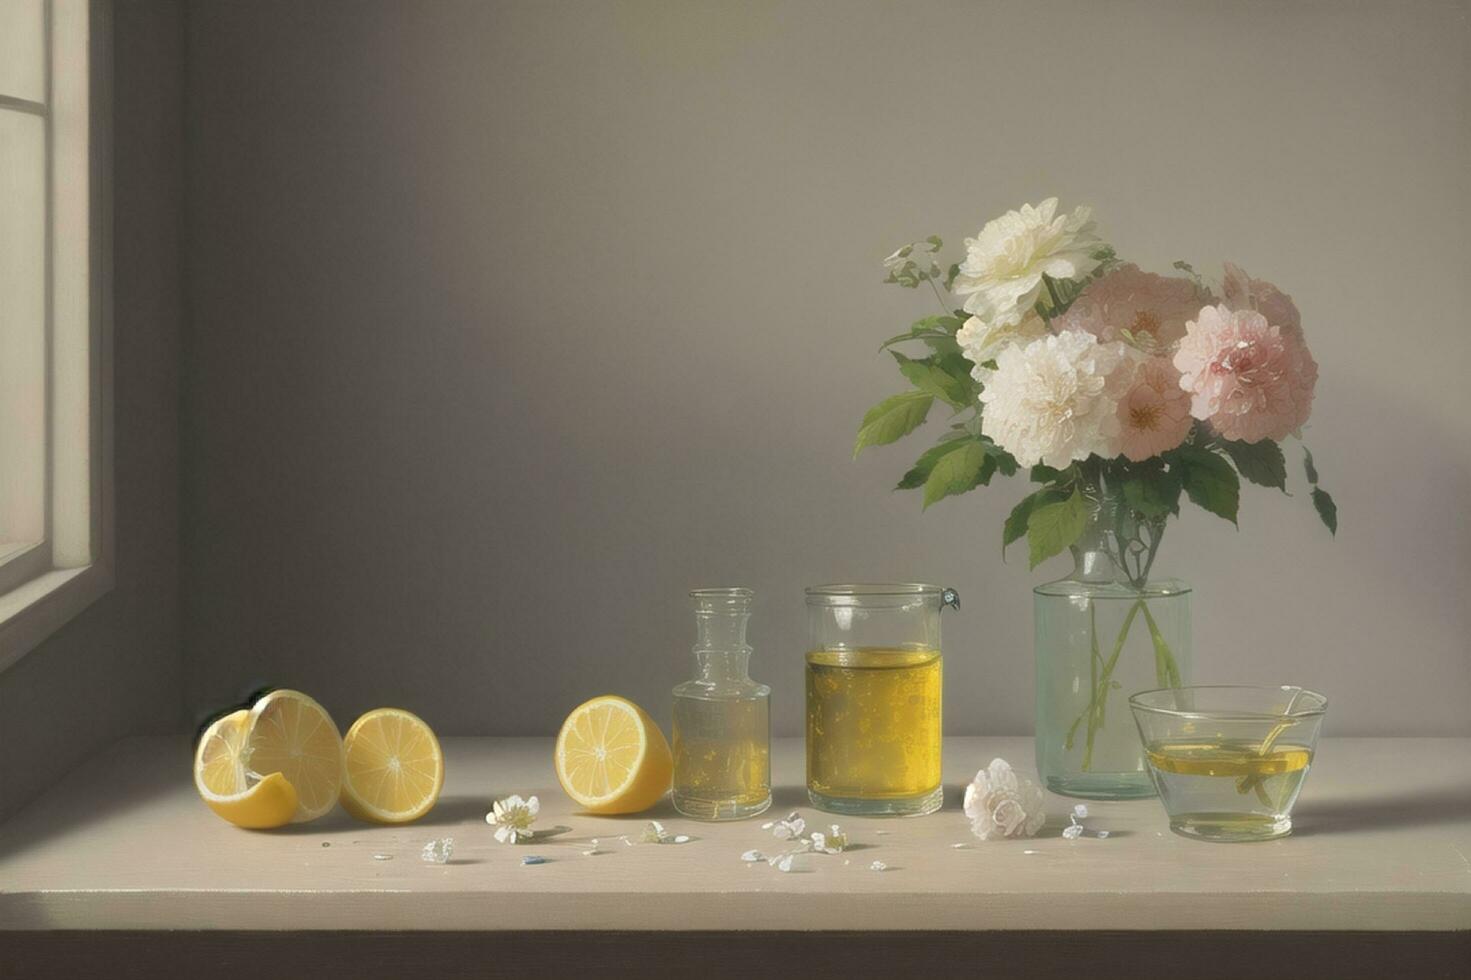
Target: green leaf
[931, 329]
[950, 275]
[1052, 527]
[922, 468]
[892, 419]
[928, 376]
[958, 471]
[1153, 494]
[1260, 462]
[1307, 465]
[1045, 474]
[1016, 524]
[1210, 481]
[1327, 509]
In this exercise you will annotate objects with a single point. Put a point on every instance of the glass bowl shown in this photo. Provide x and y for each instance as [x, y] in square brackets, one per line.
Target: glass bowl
[1229, 761]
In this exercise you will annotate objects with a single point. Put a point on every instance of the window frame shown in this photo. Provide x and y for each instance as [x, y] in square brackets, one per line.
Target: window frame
[43, 585]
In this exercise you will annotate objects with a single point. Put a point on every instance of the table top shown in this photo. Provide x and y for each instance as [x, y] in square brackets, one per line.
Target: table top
[1382, 842]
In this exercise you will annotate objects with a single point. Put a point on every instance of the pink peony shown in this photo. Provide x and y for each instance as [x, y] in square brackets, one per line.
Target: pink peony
[1245, 293]
[1249, 378]
[1154, 411]
[1130, 299]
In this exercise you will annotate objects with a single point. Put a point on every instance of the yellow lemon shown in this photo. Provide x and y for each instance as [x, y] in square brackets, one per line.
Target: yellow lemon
[612, 758]
[220, 778]
[394, 768]
[289, 733]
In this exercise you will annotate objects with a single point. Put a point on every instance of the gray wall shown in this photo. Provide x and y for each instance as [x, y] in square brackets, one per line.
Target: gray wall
[512, 322]
[115, 669]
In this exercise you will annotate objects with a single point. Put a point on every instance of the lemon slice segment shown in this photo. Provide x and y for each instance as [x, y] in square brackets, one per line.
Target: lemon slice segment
[289, 733]
[611, 757]
[224, 785]
[394, 768]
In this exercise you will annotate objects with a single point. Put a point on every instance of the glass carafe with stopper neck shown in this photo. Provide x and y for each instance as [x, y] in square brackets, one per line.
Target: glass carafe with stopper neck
[722, 718]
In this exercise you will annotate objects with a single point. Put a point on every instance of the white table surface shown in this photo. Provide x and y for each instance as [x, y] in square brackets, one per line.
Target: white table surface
[1383, 842]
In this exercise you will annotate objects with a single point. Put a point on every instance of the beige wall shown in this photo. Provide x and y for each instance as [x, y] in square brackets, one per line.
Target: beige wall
[115, 670]
[512, 322]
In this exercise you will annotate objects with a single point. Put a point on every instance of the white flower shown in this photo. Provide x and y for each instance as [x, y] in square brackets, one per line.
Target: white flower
[1000, 804]
[789, 829]
[512, 818]
[981, 341]
[1001, 276]
[1055, 399]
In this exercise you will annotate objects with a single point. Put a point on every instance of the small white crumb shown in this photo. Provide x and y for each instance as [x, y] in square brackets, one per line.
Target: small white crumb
[959, 846]
[682, 839]
[1103, 835]
[881, 833]
[878, 866]
[382, 857]
[1029, 852]
[438, 851]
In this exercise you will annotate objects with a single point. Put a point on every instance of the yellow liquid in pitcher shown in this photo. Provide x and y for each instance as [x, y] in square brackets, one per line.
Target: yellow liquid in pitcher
[873, 723]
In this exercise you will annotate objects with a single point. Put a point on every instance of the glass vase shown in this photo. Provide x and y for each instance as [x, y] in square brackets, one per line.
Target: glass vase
[1106, 632]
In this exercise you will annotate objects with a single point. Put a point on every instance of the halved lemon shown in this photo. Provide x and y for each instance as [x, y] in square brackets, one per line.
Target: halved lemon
[289, 733]
[394, 768]
[222, 782]
[611, 757]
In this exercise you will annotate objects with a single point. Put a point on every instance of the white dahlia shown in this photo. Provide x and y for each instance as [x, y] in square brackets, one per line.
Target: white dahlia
[981, 341]
[1001, 276]
[1054, 400]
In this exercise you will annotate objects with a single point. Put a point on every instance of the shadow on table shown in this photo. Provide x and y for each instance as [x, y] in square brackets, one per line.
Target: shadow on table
[1429, 808]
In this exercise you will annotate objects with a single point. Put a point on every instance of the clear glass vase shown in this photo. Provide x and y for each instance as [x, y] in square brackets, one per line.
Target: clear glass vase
[1106, 632]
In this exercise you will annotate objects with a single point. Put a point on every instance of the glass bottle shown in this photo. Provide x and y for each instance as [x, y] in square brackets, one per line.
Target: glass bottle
[873, 698]
[722, 718]
[1104, 633]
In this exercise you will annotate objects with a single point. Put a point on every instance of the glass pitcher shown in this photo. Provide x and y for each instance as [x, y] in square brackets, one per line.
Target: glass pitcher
[873, 698]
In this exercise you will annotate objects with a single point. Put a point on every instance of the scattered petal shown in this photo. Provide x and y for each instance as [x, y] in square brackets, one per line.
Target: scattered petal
[959, 846]
[682, 839]
[1103, 835]
[1029, 852]
[878, 866]
[1081, 811]
[1072, 832]
[533, 859]
[382, 857]
[791, 828]
[784, 863]
[753, 856]
[438, 851]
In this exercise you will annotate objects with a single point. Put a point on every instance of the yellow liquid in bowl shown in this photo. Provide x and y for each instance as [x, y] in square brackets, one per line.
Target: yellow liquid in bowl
[873, 723]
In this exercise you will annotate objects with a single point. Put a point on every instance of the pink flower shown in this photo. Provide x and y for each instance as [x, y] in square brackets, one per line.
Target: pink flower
[1154, 412]
[1152, 308]
[1245, 293]
[1249, 378]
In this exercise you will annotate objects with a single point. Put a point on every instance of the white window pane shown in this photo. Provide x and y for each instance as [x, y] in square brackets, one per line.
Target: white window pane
[23, 49]
[22, 326]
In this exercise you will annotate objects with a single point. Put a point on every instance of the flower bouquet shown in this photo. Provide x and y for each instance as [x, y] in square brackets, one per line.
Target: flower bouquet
[1120, 392]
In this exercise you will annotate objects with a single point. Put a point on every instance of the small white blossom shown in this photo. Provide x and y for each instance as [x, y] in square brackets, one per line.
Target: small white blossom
[878, 866]
[512, 818]
[751, 857]
[1081, 811]
[1000, 804]
[1072, 831]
